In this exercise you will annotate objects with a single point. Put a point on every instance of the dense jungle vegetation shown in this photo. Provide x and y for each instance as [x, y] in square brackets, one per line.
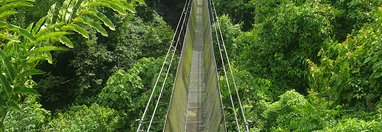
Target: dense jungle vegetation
[89, 65]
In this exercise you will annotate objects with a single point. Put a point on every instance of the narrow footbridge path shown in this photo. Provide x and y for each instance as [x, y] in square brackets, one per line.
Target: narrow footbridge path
[196, 104]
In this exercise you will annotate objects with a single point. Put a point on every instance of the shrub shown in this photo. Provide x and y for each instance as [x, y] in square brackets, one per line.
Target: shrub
[84, 118]
[294, 113]
[31, 117]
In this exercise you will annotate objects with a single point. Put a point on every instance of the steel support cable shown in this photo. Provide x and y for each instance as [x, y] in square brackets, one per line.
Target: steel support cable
[168, 70]
[227, 81]
[188, 4]
[217, 74]
[161, 70]
[230, 68]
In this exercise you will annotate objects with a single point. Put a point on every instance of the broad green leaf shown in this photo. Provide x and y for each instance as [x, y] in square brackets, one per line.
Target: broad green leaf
[47, 57]
[29, 28]
[8, 37]
[8, 66]
[117, 8]
[126, 5]
[38, 25]
[3, 24]
[103, 18]
[78, 20]
[376, 75]
[27, 34]
[78, 29]
[25, 90]
[23, 32]
[131, 8]
[140, 1]
[62, 12]
[97, 3]
[120, 2]
[7, 13]
[5, 85]
[46, 49]
[9, 6]
[96, 26]
[81, 31]
[70, 10]
[30, 72]
[66, 41]
[106, 20]
[109, 4]
[50, 14]
[49, 28]
[50, 35]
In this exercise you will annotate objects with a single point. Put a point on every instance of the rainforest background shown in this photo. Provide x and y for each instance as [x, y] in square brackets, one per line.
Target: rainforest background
[300, 65]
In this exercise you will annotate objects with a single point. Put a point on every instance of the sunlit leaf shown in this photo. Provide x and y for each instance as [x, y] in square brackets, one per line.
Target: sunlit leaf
[7, 13]
[47, 57]
[103, 18]
[29, 28]
[25, 90]
[50, 35]
[8, 66]
[140, 1]
[63, 10]
[96, 26]
[46, 49]
[109, 4]
[66, 41]
[77, 29]
[23, 32]
[38, 25]
[131, 8]
[14, 5]
[5, 85]
[49, 28]
[30, 72]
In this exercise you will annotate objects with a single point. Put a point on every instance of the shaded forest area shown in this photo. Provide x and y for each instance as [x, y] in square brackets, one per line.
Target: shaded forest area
[300, 65]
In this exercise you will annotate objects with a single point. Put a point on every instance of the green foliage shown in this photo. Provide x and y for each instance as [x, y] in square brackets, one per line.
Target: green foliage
[294, 113]
[128, 91]
[350, 72]
[23, 48]
[121, 91]
[254, 93]
[352, 15]
[101, 57]
[84, 118]
[264, 9]
[355, 125]
[230, 32]
[277, 48]
[341, 79]
[31, 117]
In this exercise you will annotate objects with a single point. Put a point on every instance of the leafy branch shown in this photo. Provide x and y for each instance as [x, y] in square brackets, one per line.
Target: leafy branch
[23, 48]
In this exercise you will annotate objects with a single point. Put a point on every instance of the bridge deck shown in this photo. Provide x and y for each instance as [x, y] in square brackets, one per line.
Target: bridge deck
[195, 115]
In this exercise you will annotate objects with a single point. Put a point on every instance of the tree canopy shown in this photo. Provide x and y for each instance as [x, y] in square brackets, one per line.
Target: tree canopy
[90, 65]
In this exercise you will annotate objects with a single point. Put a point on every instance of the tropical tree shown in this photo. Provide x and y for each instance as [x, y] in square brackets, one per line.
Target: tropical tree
[23, 48]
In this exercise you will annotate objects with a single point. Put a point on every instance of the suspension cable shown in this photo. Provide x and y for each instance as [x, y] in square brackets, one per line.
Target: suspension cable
[188, 2]
[160, 72]
[230, 68]
[227, 81]
[168, 69]
[217, 73]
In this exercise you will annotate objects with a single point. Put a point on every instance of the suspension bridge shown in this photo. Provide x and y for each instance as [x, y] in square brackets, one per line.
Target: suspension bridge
[195, 103]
